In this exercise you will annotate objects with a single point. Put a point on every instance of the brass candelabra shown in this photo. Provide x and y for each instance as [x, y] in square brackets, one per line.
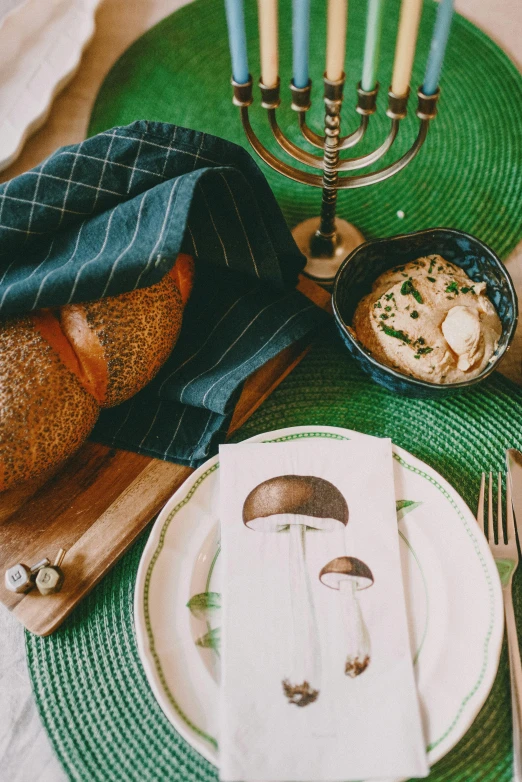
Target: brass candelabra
[327, 240]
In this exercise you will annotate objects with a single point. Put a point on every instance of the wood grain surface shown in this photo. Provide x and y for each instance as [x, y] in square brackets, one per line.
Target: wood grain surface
[101, 499]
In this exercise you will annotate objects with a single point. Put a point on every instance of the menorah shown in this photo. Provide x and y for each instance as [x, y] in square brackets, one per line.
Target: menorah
[327, 240]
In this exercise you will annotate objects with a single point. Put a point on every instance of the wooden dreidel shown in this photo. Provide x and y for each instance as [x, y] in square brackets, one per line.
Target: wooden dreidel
[50, 579]
[21, 578]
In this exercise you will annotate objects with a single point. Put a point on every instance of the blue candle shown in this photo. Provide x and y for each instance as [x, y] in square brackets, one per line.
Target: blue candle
[237, 40]
[438, 46]
[300, 40]
[372, 44]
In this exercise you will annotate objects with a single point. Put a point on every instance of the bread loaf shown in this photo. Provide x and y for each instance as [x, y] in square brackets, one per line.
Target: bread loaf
[57, 368]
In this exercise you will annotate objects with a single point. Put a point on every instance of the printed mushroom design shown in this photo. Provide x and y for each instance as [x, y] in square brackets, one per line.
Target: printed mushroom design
[349, 575]
[295, 504]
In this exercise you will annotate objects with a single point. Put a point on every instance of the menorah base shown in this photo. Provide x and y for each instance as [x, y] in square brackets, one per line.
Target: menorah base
[324, 255]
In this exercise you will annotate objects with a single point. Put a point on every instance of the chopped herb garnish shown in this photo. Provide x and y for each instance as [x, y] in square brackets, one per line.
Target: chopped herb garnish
[394, 333]
[440, 268]
[420, 341]
[399, 269]
[408, 287]
[452, 287]
[404, 275]
[389, 296]
[468, 290]
[432, 279]
[378, 305]
[384, 317]
[416, 356]
[424, 351]
[432, 263]
[414, 314]
[388, 309]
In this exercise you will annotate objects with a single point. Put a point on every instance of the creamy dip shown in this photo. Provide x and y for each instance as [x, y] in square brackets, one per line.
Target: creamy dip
[429, 320]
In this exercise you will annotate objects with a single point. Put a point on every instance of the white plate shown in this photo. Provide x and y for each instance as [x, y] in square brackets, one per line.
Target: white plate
[452, 588]
[41, 44]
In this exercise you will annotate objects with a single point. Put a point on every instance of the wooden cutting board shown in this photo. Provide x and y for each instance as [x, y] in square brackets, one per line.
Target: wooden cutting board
[101, 499]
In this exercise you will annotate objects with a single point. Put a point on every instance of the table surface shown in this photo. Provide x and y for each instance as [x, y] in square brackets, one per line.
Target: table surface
[25, 751]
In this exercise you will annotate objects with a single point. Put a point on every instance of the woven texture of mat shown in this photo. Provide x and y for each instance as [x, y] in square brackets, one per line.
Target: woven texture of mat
[90, 688]
[468, 175]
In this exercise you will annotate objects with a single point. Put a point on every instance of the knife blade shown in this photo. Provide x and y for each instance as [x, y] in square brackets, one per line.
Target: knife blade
[514, 468]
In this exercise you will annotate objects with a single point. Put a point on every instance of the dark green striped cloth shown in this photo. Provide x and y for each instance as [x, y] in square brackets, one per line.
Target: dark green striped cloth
[110, 215]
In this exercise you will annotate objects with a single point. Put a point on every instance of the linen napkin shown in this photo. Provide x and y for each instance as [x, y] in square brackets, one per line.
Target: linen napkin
[317, 680]
[110, 215]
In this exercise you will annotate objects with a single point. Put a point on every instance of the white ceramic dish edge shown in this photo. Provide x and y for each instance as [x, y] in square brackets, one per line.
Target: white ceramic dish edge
[151, 546]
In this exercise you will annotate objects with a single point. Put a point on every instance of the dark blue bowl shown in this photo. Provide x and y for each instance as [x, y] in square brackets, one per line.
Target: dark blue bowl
[362, 267]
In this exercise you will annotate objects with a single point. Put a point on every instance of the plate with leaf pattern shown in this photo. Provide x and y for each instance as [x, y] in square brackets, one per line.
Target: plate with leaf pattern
[451, 585]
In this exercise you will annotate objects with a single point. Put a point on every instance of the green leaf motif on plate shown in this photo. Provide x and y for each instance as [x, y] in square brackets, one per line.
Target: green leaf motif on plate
[204, 604]
[210, 640]
[505, 569]
[402, 507]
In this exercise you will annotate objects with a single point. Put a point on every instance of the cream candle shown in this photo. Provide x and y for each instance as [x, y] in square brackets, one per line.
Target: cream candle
[336, 38]
[372, 44]
[405, 46]
[267, 11]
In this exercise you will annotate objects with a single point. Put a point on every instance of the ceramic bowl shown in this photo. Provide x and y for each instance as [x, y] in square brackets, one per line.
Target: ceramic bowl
[362, 267]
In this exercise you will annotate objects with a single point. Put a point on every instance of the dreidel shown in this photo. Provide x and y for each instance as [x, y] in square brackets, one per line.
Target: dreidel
[50, 579]
[21, 578]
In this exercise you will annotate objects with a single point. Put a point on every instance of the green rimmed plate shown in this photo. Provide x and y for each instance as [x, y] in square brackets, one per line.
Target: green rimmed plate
[452, 589]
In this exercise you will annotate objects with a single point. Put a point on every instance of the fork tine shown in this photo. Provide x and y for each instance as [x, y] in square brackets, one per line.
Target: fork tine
[511, 534]
[490, 531]
[500, 524]
[480, 507]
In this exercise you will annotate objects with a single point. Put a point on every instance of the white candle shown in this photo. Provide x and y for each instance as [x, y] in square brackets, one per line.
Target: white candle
[405, 47]
[336, 38]
[267, 10]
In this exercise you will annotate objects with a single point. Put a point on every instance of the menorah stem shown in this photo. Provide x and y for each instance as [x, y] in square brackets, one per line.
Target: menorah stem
[332, 238]
[324, 241]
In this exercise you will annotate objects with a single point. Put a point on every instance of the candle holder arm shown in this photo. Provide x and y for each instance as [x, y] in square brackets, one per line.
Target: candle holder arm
[366, 160]
[271, 160]
[362, 180]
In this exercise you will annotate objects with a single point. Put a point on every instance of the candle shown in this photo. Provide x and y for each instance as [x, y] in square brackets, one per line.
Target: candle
[267, 10]
[372, 44]
[405, 47]
[300, 39]
[438, 46]
[237, 40]
[336, 38]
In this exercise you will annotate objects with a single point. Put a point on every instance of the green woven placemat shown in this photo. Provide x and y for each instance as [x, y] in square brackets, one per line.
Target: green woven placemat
[468, 175]
[90, 687]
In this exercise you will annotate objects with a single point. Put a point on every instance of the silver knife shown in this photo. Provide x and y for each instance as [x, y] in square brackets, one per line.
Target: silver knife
[514, 468]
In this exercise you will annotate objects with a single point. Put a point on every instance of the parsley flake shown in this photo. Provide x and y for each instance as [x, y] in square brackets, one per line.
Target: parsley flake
[408, 287]
[414, 314]
[394, 333]
[452, 287]
[432, 279]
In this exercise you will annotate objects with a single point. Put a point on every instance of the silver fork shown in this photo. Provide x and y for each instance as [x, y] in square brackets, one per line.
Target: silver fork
[505, 554]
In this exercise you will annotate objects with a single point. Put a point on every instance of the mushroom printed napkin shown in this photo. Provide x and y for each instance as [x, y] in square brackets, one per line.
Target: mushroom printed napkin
[317, 679]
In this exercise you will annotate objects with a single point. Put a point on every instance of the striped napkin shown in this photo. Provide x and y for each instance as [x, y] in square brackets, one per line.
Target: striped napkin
[110, 215]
